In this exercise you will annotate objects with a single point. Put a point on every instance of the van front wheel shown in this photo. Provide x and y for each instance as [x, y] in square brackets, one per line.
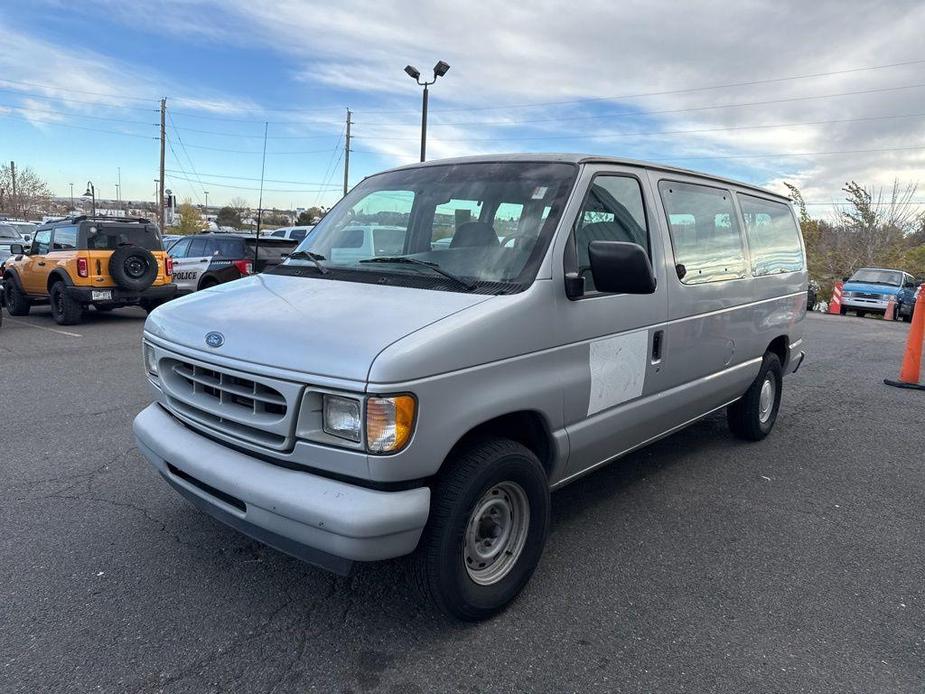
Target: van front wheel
[488, 524]
[752, 416]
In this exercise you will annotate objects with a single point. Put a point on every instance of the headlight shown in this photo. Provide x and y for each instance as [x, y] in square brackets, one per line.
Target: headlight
[389, 423]
[341, 418]
[150, 359]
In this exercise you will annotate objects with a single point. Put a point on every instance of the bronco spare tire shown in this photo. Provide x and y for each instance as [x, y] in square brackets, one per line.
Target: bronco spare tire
[133, 267]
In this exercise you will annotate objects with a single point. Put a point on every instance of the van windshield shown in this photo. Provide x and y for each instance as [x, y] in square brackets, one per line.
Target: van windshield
[892, 278]
[487, 224]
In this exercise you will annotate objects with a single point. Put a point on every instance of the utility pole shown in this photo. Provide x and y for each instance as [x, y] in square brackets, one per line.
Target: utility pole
[160, 198]
[13, 199]
[347, 152]
[72, 195]
[119, 187]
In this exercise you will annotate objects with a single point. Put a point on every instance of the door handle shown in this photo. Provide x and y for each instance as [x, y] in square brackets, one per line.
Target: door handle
[41, 263]
[658, 342]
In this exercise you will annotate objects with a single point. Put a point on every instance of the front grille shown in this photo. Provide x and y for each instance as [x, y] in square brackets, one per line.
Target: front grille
[249, 408]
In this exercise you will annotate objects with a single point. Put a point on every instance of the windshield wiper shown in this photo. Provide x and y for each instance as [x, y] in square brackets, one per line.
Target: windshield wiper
[422, 263]
[316, 258]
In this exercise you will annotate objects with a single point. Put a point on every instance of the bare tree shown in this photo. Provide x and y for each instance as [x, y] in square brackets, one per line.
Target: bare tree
[32, 192]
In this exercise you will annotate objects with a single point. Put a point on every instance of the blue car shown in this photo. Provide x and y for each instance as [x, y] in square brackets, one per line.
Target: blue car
[905, 300]
[869, 290]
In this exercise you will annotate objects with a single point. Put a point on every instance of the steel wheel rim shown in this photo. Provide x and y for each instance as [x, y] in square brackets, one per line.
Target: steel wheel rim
[766, 399]
[496, 533]
[135, 267]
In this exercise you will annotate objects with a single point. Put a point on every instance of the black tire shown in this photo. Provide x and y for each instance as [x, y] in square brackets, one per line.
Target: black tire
[133, 267]
[843, 310]
[64, 309]
[860, 314]
[17, 303]
[208, 283]
[747, 418]
[483, 476]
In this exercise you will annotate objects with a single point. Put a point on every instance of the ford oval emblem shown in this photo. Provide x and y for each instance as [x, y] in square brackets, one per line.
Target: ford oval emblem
[215, 339]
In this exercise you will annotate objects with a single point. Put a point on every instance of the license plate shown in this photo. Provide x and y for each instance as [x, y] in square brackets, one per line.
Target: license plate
[101, 294]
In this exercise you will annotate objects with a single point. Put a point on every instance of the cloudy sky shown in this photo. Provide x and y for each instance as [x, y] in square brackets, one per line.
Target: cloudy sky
[815, 94]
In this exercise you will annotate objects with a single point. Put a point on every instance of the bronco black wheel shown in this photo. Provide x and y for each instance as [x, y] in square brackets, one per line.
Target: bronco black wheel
[64, 309]
[487, 528]
[17, 303]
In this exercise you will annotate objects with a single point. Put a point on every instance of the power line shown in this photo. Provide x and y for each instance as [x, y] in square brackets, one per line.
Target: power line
[784, 155]
[250, 188]
[30, 109]
[260, 137]
[271, 180]
[183, 147]
[534, 104]
[43, 97]
[120, 95]
[58, 124]
[638, 133]
[637, 113]
[689, 90]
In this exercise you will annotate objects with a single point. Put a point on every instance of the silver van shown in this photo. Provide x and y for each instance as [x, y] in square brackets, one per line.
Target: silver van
[428, 397]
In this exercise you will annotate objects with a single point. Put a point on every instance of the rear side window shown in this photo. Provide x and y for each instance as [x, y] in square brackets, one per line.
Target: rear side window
[65, 239]
[613, 210]
[228, 249]
[297, 235]
[705, 235]
[110, 237]
[773, 237]
[197, 247]
[271, 250]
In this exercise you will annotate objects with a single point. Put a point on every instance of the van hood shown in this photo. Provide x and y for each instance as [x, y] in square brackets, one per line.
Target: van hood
[314, 326]
[870, 288]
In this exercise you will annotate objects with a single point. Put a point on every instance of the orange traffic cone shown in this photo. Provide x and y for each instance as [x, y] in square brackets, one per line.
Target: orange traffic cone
[835, 303]
[911, 369]
[890, 313]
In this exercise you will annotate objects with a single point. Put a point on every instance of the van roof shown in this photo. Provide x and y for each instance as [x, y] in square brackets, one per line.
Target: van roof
[577, 158]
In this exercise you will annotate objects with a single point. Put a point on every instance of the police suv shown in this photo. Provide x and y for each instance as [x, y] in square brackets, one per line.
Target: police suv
[205, 260]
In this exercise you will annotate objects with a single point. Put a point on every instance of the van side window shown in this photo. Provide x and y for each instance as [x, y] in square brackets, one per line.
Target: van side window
[613, 210]
[705, 235]
[773, 238]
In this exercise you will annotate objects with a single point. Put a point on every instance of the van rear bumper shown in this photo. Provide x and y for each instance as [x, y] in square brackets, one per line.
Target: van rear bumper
[324, 522]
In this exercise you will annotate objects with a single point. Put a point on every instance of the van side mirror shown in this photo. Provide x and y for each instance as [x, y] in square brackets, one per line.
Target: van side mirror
[621, 268]
[16, 249]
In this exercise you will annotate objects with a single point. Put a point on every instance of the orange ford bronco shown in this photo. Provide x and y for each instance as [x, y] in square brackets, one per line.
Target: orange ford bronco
[73, 263]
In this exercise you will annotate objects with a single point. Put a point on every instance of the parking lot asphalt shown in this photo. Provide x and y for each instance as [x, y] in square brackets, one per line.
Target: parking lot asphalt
[700, 564]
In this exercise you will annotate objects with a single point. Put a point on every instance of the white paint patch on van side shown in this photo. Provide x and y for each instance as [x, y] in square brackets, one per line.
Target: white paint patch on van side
[618, 369]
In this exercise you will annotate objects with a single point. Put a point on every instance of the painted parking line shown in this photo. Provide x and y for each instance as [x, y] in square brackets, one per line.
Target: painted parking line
[42, 327]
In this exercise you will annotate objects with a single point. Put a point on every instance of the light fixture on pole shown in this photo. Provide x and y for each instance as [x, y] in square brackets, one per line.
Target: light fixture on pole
[91, 193]
[440, 69]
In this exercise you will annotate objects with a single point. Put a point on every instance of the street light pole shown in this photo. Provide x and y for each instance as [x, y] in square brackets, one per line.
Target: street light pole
[72, 195]
[440, 69]
[207, 203]
[91, 193]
